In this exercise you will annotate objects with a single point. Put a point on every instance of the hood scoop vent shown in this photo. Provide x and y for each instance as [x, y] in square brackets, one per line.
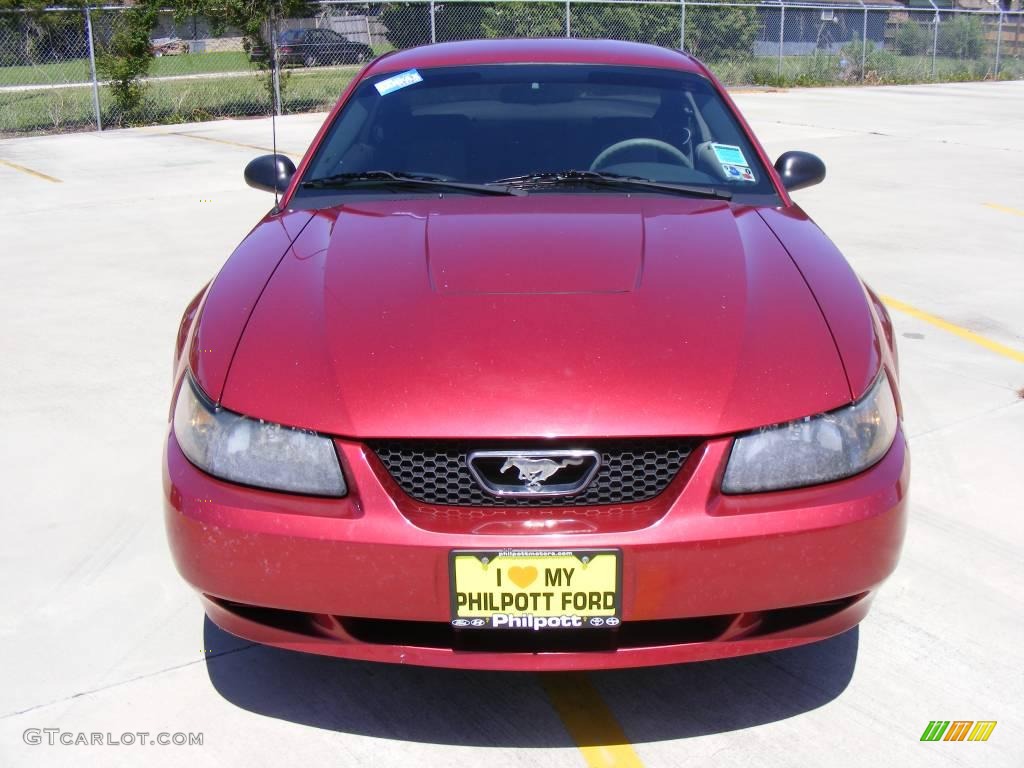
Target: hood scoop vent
[552, 253]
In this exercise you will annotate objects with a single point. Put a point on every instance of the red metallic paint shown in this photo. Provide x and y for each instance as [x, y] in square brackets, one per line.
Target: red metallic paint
[185, 327]
[232, 296]
[386, 325]
[538, 51]
[884, 331]
[559, 315]
[338, 644]
[838, 291]
[710, 554]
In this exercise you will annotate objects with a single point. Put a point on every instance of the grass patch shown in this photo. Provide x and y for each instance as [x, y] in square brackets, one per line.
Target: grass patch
[882, 67]
[71, 71]
[200, 63]
[174, 101]
[77, 70]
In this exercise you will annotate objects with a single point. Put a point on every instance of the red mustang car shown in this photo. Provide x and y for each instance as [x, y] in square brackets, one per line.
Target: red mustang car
[536, 366]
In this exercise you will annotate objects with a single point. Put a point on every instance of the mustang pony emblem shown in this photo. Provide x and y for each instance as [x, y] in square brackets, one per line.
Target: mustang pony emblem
[536, 471]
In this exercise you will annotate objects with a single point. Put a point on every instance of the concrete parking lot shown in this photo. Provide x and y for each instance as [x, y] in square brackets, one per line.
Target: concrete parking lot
[105, 237]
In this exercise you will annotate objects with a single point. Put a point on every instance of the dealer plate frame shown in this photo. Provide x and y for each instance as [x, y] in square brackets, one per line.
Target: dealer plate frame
[588, 623]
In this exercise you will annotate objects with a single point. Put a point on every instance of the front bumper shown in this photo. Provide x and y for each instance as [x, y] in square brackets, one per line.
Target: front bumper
[715, 576]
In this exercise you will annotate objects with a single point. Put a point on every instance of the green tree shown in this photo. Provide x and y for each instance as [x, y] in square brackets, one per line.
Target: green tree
[458, 21]
[880, 65]
[963, 37]
[640, 22]
[720, 33]
[507, 19]
[253, 19]
[408, 24]
[126, 57]
[60, 36]
[35, 37]
[912, 39]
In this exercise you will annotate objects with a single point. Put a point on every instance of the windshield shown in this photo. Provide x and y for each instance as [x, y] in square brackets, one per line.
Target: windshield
[496, 123]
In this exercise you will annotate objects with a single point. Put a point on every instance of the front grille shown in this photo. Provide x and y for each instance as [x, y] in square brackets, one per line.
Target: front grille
[436, 472]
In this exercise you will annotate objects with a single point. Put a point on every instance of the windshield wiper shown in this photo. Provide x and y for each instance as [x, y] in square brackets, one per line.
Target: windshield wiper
[397, 178]
[554, 178]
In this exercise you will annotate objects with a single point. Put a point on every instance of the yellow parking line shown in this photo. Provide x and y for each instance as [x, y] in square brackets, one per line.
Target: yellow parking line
[1004, 209]
[589, 721]
[963, 333]
[30, 172]
[230, 142]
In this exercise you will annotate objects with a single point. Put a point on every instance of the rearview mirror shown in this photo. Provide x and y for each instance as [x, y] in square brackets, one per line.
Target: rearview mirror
[800, 169]
[270, 173]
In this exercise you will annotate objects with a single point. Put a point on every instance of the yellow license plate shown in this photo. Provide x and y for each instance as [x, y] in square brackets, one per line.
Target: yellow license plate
[556, 589]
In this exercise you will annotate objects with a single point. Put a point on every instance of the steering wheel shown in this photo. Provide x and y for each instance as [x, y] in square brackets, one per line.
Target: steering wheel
[622, 146]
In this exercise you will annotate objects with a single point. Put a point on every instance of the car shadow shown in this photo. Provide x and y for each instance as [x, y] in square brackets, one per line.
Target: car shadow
[466, 708]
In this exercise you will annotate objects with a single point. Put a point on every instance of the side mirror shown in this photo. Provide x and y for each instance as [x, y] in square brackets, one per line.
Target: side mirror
[271, 173]
[800, 169]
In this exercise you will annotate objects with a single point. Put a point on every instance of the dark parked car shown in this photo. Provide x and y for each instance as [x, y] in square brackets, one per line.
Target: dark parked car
[313, 48]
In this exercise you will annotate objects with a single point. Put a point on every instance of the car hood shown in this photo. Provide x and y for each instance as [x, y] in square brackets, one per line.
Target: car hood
[535, 316]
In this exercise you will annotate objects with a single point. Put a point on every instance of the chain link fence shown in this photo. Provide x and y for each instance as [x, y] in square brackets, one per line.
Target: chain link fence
[55, 75]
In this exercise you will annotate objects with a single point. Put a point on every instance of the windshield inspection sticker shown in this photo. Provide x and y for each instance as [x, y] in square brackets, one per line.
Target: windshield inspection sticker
[734, 164]
[738, 172]
[397, 82]
[726, 153]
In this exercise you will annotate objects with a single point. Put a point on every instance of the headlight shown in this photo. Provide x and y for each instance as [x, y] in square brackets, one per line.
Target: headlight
[254, 452]
[815, 449]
